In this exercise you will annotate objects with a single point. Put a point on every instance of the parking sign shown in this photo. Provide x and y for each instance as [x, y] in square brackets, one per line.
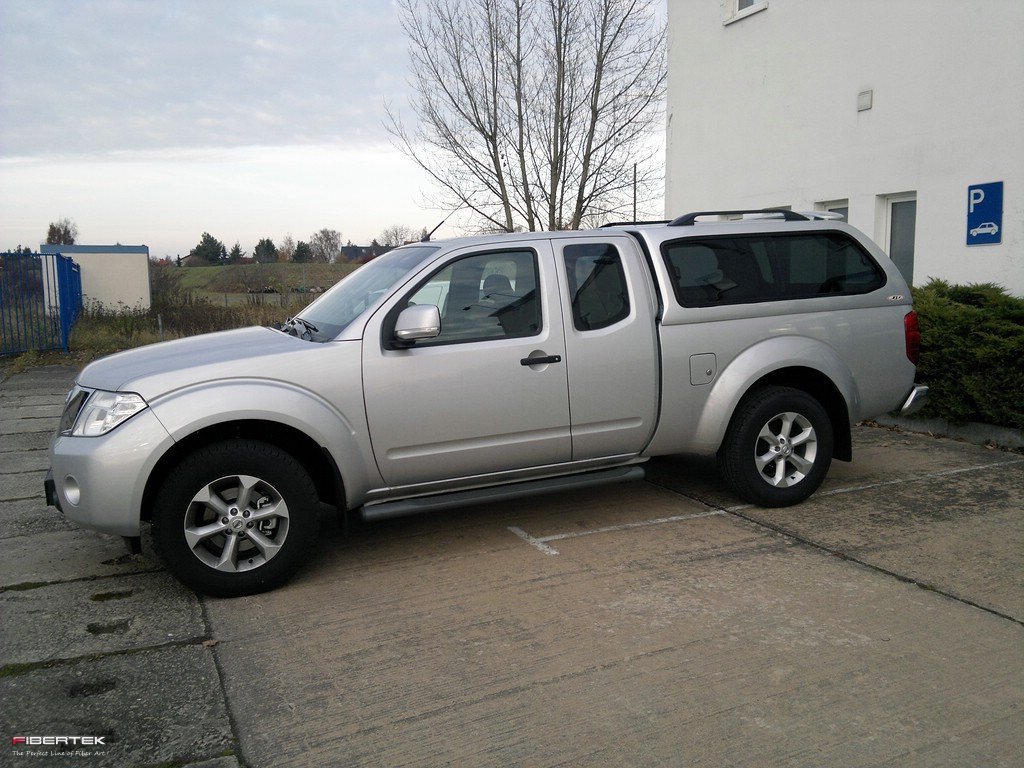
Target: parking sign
[985, 213]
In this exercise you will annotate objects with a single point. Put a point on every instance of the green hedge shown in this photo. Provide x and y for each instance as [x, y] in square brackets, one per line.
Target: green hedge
[972, 352]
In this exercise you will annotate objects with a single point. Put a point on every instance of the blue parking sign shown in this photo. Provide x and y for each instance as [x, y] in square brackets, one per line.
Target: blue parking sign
[985, 213]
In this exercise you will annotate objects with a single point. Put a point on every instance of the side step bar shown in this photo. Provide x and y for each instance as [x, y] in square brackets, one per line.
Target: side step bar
[388, 509]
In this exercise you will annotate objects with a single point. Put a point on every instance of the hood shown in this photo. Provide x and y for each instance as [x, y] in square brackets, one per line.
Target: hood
[158, 368]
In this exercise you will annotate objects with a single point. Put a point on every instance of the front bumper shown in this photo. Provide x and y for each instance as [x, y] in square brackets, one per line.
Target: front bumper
[914, 401]
[99, 482]
[50, 488]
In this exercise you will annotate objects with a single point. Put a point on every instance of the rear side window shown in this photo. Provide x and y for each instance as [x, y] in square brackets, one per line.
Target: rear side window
[597, 285]
[753, 268]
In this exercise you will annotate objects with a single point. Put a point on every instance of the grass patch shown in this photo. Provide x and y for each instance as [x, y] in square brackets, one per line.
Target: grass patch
[25, 361]
[243, 278]
[24, 586]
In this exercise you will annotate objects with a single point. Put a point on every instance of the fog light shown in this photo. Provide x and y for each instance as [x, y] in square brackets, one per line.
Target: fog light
[71, 491]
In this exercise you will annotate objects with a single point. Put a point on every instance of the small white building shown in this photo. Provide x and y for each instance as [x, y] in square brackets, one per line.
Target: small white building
[906, 116]
[116, 276]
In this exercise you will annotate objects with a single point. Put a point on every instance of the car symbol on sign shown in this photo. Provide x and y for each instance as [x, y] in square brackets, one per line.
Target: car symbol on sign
[987, 228]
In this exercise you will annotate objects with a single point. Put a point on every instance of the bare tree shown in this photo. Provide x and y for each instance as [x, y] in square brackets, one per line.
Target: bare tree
[286, 251]
[396, 235]
[533, 114]
[326, 245]
[63, 231]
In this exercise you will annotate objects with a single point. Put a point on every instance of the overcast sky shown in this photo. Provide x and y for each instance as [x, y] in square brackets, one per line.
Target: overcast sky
[150, 122]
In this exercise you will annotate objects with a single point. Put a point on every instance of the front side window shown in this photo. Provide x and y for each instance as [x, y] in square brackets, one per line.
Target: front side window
[753, 268]
[597, 285]
[485, 296]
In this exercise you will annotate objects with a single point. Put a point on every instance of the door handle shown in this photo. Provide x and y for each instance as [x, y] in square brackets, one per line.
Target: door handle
[541, 360]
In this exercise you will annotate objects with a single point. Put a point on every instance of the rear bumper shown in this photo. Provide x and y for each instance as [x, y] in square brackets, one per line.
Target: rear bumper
[914, 401]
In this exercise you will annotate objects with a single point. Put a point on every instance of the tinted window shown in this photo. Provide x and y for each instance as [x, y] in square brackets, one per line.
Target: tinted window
[597, 285]
[486, 296]
[738, 270]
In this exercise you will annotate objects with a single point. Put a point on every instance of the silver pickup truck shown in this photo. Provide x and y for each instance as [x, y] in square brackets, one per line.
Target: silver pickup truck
[463, 371]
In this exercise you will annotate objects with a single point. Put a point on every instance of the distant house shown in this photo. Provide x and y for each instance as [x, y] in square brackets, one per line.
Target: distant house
[112, 275]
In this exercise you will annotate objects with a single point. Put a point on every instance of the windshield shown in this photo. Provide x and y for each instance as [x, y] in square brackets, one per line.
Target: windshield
[328, 316]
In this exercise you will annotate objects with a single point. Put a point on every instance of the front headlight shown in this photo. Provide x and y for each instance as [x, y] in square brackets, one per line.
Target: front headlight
[105, 410]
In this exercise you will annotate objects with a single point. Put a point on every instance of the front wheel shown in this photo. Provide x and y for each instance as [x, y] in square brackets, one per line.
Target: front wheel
[235, 518]
[778, 447]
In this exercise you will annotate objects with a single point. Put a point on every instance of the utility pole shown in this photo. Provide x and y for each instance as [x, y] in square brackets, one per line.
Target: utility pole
[634, 191]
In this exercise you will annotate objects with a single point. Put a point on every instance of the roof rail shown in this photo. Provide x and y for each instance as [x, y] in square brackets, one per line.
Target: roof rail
[691, 218]
[632, 223]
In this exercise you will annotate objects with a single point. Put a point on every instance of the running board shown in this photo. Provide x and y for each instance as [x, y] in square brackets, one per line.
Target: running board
[388, 509]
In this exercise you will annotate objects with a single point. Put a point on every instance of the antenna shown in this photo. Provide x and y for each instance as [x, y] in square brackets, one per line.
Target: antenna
[431, 232]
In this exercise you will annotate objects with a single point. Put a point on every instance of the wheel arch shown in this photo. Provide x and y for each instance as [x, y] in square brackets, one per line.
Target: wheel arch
[803, 363]
[322, 468]
[821, 388]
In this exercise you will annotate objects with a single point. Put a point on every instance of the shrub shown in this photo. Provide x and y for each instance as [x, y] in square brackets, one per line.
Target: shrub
[166, 286]
[972, 352]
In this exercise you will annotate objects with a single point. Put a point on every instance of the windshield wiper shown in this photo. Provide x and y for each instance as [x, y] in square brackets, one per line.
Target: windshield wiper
[308, 328]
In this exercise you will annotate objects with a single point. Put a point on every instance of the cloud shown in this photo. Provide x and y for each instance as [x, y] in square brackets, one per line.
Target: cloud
[167, 198]
[112, 75]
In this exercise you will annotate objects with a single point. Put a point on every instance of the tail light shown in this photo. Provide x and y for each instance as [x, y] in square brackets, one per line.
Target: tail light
[912, 332]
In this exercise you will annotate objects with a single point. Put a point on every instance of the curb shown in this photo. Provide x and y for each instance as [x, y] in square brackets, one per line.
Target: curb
[972, 432]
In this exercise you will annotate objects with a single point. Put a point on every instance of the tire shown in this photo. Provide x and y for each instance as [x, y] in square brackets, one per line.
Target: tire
[778, 447]
[235, 518]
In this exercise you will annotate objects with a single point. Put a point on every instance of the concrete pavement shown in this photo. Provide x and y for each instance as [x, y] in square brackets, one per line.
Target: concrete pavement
[653, 623]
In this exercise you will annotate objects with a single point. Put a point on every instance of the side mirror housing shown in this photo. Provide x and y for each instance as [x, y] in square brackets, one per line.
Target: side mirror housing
[421, 321]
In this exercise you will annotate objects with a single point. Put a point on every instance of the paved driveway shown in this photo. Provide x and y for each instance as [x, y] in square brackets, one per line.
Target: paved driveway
[653, 623]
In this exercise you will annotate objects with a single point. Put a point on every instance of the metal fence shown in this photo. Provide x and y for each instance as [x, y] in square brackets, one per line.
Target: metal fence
[40, 299]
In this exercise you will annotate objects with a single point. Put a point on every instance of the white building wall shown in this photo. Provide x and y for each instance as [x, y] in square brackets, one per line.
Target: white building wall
[762, 111]
[115, 276]
[115, 279]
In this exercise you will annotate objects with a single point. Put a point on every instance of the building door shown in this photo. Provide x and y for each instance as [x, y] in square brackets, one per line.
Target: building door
[901, 223]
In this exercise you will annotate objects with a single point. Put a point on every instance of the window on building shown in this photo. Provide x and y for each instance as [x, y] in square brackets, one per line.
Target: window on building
[740, 9]
[901, 224]
[842, 207]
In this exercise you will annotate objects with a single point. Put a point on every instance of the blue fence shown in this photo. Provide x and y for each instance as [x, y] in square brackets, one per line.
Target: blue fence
[40, 299]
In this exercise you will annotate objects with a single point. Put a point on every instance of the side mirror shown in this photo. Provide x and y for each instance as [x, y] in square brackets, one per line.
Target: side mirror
[422, 321]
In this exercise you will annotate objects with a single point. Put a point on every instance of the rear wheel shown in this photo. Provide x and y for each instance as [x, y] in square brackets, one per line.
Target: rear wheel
[778, 447]
[235, 518]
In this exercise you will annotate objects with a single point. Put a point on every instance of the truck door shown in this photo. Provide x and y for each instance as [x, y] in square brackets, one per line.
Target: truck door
[611, 345]
[469, 402]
